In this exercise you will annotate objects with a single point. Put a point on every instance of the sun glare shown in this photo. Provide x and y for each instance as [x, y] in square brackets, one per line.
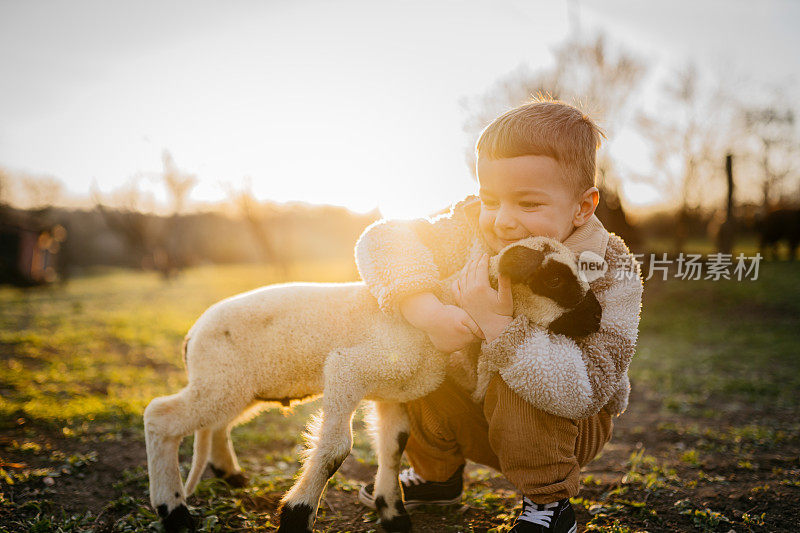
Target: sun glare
[641, 194]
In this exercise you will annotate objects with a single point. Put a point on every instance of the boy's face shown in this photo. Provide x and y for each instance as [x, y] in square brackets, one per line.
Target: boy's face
[526, 196]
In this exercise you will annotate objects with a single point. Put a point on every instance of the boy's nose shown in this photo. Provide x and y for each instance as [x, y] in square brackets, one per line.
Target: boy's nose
[505, 219]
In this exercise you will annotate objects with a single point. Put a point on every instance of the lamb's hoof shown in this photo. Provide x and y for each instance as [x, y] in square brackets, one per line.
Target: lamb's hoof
[176, 520]
[295, 518]
[236, 480]
[397, 524]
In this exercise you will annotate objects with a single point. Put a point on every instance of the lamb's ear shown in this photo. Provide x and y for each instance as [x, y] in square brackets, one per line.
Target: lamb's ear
[580, 321]
[519, 263]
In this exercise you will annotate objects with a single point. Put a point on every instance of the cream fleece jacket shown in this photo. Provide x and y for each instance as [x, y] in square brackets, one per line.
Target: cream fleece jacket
[563, 376]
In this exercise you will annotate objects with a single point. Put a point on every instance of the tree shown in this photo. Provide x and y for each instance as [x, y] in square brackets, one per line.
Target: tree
[41, 192]
[263, 228]
[159, 243]
[686, 144]
[773, 137]
[587, 73]
[30, 191]
[179, 184]
[135, 229]
[5, 180]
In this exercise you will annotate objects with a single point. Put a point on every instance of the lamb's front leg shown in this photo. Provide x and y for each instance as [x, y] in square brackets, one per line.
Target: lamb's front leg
[330, 440]
[391, 433]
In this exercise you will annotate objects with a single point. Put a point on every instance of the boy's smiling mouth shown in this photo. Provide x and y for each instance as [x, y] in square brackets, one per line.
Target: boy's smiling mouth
[506, 241]
[497, 243]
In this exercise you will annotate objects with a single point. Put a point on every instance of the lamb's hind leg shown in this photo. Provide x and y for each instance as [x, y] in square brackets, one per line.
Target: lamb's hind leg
[223, 459]
[391, 434]
[330, 441]
[213, 448]
[163, 431]
[202, 450]
[166, 421]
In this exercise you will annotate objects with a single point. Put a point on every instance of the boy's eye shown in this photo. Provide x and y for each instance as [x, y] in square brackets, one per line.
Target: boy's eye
[529, 205]
[488, 202]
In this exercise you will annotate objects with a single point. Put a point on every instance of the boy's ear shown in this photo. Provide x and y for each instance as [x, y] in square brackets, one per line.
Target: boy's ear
[587, 204]
[519, 263]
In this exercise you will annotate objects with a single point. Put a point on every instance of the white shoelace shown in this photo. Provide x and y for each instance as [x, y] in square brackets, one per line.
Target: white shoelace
[409, 477]
[534, 515]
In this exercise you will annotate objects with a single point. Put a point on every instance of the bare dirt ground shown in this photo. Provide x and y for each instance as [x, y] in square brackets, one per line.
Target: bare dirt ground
[710, 442]
[654, 475]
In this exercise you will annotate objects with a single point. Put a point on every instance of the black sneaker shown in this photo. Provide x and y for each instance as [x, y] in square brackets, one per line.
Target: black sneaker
[417, 491]
[556, 517]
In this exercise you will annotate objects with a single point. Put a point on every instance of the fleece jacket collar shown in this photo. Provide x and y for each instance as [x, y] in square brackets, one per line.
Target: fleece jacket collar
[591, 236]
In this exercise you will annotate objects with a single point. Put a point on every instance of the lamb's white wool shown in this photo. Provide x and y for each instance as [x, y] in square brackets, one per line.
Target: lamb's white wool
[295, 341]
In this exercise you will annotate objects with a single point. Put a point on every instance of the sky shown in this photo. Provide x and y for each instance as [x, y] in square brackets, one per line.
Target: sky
[347, 103]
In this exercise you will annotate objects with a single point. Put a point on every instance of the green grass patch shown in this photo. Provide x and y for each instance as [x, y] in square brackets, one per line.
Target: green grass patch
[721, 343]
[79, 363]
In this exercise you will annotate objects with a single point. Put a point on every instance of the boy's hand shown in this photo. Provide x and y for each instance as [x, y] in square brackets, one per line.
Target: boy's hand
[449, 327]
[491, 309]
[453, 330]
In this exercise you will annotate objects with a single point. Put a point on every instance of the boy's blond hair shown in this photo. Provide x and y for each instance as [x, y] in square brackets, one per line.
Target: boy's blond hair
[551, 128]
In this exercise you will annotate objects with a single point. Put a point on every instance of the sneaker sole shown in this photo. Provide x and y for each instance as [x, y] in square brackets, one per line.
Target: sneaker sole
[369, 501]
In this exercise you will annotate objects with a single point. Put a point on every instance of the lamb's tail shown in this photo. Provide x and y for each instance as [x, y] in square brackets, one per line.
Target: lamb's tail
[202, 451]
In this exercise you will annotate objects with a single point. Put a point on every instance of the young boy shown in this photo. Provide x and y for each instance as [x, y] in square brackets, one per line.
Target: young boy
[547, 412]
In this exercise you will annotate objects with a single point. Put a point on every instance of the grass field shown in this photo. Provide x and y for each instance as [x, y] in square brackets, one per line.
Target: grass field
[710, 442]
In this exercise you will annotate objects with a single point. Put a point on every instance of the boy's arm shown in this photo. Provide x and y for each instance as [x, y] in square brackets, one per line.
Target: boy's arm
[401, 258]
[402, 263]
[448, 327]
[569, 378]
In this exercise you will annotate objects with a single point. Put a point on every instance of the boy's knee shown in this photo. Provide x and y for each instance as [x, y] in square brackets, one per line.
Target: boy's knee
[518, 428]
[593, 434]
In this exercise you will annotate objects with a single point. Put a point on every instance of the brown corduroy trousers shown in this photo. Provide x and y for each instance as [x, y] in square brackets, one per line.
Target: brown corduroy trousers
[539, 453]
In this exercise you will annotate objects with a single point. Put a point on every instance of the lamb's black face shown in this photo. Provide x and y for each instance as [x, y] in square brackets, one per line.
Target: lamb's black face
[548, 278]
[556, 281]
[520, 263]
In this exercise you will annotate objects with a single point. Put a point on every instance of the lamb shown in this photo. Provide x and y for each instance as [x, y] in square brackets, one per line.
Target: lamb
[291, 342]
